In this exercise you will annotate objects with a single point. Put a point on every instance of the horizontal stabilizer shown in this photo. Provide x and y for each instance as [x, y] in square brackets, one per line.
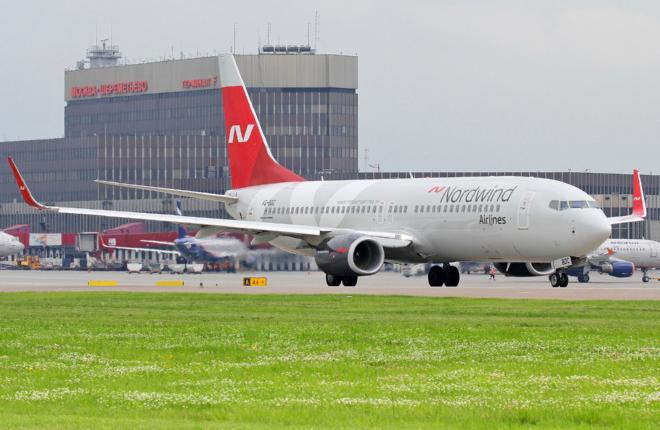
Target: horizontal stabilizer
[183, 193]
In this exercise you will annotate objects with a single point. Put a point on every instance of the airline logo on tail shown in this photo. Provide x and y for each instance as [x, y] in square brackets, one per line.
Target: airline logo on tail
[236, 133]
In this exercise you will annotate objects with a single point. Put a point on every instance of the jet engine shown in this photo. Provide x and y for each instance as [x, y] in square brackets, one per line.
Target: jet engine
[350, 255]
[525, 269]
[618, 269]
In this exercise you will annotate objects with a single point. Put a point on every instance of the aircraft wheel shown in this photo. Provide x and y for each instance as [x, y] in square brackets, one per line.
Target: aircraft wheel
[583, 278]
[645, 278]
[554, 280]
[436, 276]
[332, 280]
[349, 281]
[453, 276]
[563, 280]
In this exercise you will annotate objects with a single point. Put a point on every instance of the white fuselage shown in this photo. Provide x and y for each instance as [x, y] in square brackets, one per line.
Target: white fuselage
[450, 219]
[642, 253]
[9, 245]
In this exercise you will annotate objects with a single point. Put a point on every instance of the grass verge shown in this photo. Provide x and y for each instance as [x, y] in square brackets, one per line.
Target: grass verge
[109, 360]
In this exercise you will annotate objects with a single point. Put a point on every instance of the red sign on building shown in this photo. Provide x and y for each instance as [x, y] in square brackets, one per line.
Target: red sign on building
[103, 90]
[199, 83]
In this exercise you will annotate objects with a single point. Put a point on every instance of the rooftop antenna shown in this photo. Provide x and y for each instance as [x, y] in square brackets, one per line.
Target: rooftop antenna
[309, 25]
[268, 35]
[233, 48]
[366, 159]
[317, 28]
[375, 166]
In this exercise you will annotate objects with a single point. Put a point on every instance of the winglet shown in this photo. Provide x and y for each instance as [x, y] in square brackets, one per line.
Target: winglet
[22, 186]
[639, 203]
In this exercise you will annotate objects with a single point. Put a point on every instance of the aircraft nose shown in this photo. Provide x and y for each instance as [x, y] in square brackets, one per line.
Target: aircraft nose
[594, 228]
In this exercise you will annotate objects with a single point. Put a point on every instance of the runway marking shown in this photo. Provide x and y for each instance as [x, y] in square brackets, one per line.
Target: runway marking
[102, 283]
[170, 283]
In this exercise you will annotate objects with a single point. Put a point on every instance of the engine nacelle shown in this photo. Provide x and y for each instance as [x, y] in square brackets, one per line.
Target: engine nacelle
[525, 269]
[350, 255]
[619, 269]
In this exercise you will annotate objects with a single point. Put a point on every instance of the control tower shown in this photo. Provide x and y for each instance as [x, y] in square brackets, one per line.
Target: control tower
[102, 55]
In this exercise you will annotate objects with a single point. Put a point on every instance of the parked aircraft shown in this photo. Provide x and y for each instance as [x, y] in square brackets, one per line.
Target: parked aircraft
[534, 226]
[197, 250]
[619, 257]
[9, 245]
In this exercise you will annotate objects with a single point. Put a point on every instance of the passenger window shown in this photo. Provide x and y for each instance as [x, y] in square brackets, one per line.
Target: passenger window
[421, 209]
[469, 208]
[444, 208]
[416, 208]
[396, 209]
[380, 209]
[497, 208]
[463, 208]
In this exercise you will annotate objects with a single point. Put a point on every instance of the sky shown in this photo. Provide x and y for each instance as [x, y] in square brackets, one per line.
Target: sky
[443, 85]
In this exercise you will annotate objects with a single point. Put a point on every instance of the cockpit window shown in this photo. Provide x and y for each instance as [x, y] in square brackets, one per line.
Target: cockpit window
[578, 204]
[562, 205]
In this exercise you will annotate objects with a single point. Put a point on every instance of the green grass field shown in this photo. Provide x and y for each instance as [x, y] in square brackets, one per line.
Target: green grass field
[113, 360]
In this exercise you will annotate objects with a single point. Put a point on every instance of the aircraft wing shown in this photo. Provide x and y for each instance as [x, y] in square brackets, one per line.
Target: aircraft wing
[155, 250]
[128, 248]
[600, 259]
[387, 239]
[157, 242]
[638, 206]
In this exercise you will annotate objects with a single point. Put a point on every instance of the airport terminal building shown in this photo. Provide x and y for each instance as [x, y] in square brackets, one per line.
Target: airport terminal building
[161, 123]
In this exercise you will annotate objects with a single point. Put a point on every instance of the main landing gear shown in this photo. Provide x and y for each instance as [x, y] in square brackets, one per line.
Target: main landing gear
[583, 278]
[645, 276]
[335, 281]
[444, 275]
[558, 279]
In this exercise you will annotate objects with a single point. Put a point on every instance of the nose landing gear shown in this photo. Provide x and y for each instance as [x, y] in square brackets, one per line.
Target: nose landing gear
[558, 279]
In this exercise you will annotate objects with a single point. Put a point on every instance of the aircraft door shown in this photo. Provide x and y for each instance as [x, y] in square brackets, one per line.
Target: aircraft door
[654, 250]
[380, 213]
[389, 216]
[524, 209]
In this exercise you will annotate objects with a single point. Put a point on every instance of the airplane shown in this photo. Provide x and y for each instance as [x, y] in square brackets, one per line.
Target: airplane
[10, 245]
[532, 226]
[619, 257]
[197, 250]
